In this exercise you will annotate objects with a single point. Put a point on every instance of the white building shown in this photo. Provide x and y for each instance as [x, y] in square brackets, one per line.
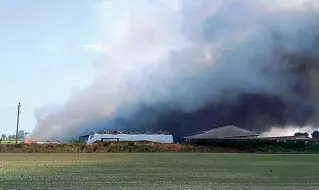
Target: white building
[157, 138]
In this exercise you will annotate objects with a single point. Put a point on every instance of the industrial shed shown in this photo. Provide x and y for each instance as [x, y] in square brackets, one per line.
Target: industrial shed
[127, 136]
[293, 139]
[222, 133]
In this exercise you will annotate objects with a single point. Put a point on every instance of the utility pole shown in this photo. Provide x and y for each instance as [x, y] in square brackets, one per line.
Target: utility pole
[19, 106]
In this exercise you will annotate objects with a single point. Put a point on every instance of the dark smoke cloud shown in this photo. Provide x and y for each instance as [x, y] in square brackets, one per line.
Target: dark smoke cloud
[257, 111]
[203, 64]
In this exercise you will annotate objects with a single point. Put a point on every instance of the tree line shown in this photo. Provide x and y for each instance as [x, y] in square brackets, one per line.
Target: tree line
[21, 135]
[315, 134]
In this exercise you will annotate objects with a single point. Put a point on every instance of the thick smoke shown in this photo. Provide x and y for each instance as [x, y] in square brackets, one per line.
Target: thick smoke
[191, 65]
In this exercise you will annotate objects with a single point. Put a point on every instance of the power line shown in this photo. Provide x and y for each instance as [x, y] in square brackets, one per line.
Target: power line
[19, 111]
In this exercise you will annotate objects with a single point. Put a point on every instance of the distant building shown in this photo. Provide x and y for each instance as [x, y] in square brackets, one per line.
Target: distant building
[233, 133]
[119, 136]
[294, 139]
[225, 132]
[45, 142]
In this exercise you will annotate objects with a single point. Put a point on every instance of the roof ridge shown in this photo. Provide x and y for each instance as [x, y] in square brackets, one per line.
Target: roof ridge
[218, 128]
[225, 127]
[244, 129]
[205, 131]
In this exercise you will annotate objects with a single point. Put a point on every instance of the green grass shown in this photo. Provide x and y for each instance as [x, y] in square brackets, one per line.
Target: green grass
[158, 171]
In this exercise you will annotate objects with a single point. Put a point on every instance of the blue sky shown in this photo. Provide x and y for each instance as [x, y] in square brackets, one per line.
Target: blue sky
[49, 48]
[41, 59]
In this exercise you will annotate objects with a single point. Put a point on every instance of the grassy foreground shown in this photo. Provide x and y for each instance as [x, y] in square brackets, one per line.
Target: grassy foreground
[158, 171]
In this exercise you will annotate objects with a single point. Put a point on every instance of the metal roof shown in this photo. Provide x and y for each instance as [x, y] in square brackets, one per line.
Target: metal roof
[228, 131]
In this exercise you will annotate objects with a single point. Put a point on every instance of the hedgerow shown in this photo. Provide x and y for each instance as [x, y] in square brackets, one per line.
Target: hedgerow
[216, 146]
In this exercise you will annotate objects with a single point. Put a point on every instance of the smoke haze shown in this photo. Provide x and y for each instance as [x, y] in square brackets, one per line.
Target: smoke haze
[187, 66]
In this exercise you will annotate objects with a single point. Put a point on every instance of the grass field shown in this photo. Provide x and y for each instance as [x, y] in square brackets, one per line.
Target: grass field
[158, 171]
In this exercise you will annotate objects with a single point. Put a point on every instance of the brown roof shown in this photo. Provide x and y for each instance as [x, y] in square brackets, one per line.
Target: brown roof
[228, 131]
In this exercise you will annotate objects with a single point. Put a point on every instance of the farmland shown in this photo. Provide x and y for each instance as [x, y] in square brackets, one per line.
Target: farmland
[158, 171]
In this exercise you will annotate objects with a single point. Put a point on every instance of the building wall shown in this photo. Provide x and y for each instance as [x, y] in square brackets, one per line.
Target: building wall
[83, 139]
[159, 138]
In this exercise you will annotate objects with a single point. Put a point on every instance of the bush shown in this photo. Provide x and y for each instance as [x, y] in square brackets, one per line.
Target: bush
[106, 144]
[213, 146]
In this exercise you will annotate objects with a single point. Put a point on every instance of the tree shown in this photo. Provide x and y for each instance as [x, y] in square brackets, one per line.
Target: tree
[3, 136]
[21, 134]
[301, 134]
[11, 136]
[315, 135]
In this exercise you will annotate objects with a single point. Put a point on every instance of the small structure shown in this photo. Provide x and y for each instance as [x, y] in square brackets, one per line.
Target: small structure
[222, 133]
[45, 142]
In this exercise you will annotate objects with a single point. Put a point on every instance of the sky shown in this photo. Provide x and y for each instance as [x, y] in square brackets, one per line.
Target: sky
[50, 49]
[47, 50]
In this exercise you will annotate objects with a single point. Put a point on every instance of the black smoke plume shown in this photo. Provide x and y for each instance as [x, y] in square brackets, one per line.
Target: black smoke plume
[254, 111]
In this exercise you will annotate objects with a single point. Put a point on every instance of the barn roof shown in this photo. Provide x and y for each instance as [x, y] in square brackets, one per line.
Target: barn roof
[229, 131]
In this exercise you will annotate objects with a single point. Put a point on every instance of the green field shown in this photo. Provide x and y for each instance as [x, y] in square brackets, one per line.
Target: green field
[158, 171]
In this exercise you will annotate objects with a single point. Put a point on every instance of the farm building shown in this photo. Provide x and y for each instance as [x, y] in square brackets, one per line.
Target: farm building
[290, 139]
[222, 133]
[119, 136]
[235, 136]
